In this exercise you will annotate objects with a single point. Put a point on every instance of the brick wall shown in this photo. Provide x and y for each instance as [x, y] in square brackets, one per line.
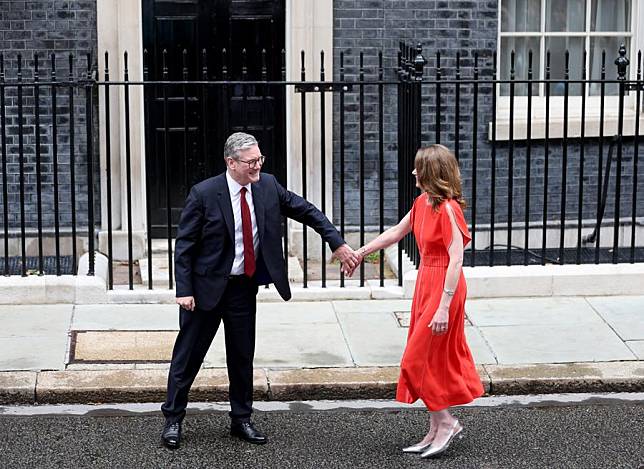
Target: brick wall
[448, 27]
[46, 27]
[373, 25]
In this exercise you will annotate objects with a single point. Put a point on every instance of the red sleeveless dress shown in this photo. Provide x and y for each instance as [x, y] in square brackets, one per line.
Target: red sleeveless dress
[438, 369]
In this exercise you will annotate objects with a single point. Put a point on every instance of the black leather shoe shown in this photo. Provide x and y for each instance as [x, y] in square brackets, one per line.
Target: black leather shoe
[171, 435]
[247, 432]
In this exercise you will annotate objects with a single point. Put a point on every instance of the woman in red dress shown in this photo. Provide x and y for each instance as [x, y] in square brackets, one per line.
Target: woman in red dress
[437, 366]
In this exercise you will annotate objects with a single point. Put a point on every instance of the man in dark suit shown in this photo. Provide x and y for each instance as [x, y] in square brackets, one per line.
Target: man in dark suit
[229, 241]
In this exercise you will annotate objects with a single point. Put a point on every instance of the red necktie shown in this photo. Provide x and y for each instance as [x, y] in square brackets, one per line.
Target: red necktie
[247, 234]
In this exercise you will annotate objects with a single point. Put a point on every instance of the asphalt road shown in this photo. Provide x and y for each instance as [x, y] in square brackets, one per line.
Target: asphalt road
[586, 435]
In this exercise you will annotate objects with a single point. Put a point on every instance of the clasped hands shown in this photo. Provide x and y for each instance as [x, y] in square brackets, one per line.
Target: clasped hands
[349, 258]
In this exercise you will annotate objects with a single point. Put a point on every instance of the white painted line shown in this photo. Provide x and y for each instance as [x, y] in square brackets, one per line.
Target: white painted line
[541, 400]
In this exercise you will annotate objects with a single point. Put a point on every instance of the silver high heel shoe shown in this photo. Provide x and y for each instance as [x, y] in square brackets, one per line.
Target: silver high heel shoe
[434, 451]
[417, 448]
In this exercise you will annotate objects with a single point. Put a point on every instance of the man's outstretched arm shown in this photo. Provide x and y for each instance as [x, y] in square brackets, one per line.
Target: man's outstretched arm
[300, 209]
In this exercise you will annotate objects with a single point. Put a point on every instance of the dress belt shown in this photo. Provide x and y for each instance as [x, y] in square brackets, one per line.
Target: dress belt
[434, 261]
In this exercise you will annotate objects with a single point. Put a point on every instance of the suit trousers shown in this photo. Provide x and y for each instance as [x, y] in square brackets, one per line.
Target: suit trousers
[237, 309]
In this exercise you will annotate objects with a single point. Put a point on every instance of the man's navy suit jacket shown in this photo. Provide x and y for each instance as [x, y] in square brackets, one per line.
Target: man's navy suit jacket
[204, 248]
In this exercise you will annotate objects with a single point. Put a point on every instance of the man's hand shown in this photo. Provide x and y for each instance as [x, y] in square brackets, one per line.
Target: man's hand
[349, 271]
[349, 258]
[186, 302]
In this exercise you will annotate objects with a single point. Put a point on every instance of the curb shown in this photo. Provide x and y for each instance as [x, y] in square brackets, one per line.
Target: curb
[149, 385]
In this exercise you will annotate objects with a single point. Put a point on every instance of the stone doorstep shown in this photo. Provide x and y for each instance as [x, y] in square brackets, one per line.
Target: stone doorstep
[149, 385]
[313, 292]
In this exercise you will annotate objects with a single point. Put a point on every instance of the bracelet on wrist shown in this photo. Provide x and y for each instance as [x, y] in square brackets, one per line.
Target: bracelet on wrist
[448, 292]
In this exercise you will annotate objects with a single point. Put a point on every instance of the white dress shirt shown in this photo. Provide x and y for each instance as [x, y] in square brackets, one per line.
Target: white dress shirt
[235, 198]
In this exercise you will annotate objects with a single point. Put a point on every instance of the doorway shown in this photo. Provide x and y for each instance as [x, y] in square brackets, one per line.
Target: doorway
[187, 125]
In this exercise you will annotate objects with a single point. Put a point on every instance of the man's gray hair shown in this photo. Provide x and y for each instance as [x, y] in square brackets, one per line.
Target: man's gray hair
[236, 142]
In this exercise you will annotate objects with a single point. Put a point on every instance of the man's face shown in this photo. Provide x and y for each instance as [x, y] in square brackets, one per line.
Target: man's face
[245, 169]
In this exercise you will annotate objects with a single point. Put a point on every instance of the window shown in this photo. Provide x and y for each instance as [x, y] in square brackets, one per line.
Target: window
[558, 26]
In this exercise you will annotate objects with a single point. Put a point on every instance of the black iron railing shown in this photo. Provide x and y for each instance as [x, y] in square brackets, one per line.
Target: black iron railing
[538, 198]
[42, 154]
[535, 195]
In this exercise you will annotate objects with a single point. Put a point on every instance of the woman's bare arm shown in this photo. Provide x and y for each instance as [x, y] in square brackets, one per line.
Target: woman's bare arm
[388, 237]
[440, 321]
[455, 252]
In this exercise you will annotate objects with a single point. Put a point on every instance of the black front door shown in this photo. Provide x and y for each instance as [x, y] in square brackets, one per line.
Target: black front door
[187, 125]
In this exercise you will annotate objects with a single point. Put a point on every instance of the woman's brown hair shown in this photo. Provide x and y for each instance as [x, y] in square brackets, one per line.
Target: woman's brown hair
[438, 174]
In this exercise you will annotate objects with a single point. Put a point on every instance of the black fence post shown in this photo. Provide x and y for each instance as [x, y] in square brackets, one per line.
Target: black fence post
[108, 174]
[149, 143]
[381, 161]
[600, 163]
[72, 158]
[128, 170]
[5, 187]
[508, 252]
[437, 114]
[475, 100]
[322, 163]
[495, 87]
[54, 141]
[41, 269]
[305, 264]
[361, 110]
[166, 166]
[285, 166]
[636, 151]
[582, 156]
[400, 94]
[546, 159]
[21, 165]
[419, 65]
[622, 65]
[528, 163]
[89, 88]
[342, 169]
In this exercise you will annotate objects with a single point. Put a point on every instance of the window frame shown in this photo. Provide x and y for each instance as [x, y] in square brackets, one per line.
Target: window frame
[592, 126]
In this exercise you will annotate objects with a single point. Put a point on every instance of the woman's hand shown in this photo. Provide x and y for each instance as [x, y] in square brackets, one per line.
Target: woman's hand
[360, 255]
[439, 321]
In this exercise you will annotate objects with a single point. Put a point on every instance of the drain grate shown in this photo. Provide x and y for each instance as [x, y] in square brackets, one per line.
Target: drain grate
[402, 318]
[32, 265]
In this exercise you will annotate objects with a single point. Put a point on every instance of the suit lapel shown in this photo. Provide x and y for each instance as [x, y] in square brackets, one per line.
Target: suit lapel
[226, 206]
[258, 204]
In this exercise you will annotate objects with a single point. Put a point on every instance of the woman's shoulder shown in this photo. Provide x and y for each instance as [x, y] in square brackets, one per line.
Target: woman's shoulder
[448, 202]
[420, 199]
[453, 204]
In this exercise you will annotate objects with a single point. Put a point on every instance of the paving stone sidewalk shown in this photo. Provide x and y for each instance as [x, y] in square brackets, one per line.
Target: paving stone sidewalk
[325, 349]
